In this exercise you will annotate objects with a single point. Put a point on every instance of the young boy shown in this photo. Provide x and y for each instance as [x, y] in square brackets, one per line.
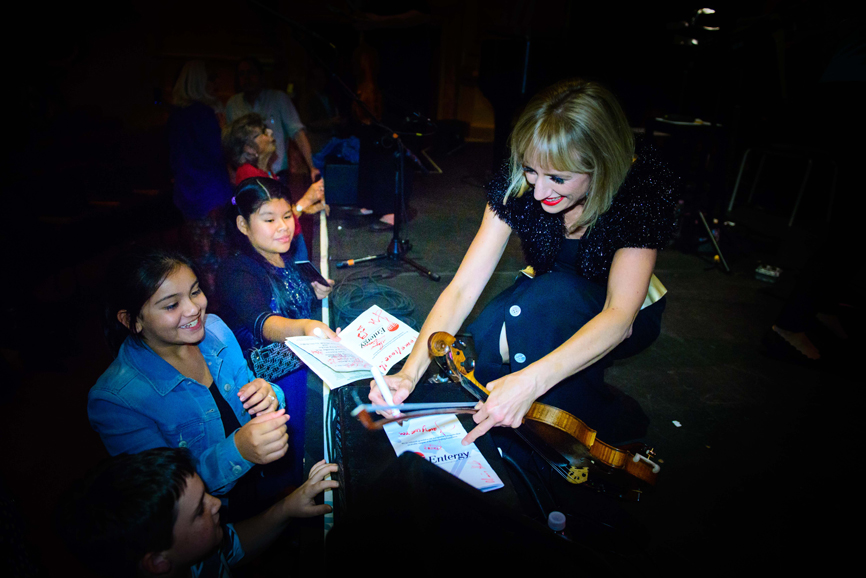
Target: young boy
[149, 514]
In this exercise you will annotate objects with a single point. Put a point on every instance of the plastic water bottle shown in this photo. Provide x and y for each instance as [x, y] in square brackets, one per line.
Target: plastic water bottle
[556, 522]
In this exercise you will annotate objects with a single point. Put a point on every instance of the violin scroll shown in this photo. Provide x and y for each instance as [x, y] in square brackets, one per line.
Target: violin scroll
[460, 369]
[439, 343]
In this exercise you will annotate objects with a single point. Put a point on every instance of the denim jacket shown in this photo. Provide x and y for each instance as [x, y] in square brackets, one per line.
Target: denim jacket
[142, 402]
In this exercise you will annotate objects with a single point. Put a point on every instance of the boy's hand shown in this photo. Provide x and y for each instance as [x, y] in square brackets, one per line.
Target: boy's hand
[300, 504]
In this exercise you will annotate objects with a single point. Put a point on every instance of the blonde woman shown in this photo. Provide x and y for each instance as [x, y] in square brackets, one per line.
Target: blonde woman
[591, 218]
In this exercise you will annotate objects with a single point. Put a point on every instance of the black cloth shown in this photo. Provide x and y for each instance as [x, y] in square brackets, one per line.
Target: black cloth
[549, 310]
[641, 215]
[405, 59]
[243, 498]
[228, 417]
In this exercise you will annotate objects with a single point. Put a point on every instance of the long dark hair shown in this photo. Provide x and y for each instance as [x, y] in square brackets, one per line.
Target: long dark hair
[133, 278]
[250, 195]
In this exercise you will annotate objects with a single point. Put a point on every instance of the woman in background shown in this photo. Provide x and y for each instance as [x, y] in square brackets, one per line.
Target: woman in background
[201, 180]
[250, 146]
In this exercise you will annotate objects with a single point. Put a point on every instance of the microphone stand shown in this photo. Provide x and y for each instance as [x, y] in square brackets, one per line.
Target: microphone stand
[398, 247]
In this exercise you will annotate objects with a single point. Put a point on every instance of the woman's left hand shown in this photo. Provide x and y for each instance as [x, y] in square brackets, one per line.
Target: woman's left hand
[321, 291]
[510, 399]
[259, 397]
[313, 200]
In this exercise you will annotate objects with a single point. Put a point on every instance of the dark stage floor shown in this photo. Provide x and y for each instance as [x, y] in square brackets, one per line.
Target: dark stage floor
[754, 475]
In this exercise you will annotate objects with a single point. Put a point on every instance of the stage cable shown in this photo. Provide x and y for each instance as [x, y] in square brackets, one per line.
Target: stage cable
[361, 289]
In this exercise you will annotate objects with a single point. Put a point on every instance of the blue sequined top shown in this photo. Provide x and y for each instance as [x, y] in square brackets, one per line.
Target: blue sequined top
[251, 290]
[641, 215]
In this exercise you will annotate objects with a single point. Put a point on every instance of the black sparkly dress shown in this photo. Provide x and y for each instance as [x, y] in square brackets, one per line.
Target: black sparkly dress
[569, 289]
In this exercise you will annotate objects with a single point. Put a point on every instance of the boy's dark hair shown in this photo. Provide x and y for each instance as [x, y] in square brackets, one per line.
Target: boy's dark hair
[124, 509]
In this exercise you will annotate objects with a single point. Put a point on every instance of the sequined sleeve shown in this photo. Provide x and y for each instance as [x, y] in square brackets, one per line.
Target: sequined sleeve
[244, 295]
[496, 190]
[643, 214]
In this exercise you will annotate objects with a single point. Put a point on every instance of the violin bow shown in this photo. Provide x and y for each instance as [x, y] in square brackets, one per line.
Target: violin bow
[364, 412]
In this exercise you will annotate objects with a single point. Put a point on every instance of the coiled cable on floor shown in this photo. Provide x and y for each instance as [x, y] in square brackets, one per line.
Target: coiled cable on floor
[362, 289]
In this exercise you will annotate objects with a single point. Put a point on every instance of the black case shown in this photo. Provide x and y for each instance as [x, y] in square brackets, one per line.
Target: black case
[410, 515]
[364, 455]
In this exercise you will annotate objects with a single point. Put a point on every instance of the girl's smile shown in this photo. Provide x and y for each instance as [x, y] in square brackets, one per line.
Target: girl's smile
[192, 325]
[175, 314]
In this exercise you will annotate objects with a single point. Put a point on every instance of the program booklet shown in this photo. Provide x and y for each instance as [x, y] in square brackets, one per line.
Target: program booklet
[437, 439]
[374, 338]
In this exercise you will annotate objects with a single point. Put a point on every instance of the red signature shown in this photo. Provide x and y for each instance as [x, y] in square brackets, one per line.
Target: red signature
[422, 429]
[485, 475]
[398, 350]
[377, 317]
[378, 342]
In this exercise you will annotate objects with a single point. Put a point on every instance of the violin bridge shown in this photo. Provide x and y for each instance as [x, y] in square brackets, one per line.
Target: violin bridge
[578, 475]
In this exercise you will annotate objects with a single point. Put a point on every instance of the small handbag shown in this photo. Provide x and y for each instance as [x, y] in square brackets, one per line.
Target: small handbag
[273, 361]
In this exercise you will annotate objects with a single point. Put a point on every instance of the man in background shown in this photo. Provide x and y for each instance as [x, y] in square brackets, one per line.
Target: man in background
[276, 109]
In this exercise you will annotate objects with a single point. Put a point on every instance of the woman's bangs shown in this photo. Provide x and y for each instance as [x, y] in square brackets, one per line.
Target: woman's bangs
[549, 147]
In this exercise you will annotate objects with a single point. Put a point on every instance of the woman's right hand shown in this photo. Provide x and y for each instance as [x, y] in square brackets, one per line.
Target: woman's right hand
[322, 291]
[263, 439]
[400, 384]
[311, 325]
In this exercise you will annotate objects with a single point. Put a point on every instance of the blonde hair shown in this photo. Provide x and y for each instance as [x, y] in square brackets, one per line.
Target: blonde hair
[191, 86]
[574, 126]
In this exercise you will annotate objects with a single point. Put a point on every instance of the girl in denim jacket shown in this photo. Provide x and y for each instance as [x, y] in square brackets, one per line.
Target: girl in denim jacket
[180, 379]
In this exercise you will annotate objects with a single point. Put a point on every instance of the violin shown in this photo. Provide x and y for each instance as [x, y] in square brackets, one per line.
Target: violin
[566, 443]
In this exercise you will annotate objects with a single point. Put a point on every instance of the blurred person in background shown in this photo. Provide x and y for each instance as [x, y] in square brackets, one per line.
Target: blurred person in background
[201, 180]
